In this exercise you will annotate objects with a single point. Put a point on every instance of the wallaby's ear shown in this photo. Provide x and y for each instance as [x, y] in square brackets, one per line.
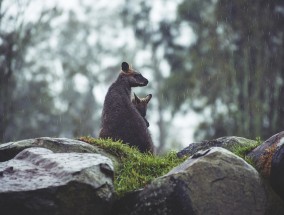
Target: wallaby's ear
[137, 100]
[148, 98]
[124, 67]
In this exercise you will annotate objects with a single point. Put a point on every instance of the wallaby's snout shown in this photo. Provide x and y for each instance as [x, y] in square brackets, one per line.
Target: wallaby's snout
[135, 79]
[141, 80]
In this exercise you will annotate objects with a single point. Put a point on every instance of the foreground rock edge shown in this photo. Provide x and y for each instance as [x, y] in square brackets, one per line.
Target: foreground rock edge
[135, 193]
[38, 181]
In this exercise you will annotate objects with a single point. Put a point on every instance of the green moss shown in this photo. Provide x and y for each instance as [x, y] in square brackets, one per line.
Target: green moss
[243, 150]
[136, 169]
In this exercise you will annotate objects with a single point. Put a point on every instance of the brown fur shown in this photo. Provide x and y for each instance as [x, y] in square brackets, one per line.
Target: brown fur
[141, 105]
[120, 119]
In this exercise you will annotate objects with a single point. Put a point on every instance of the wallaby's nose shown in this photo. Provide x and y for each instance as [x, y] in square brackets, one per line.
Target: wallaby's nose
[147, 123]
[146, 81]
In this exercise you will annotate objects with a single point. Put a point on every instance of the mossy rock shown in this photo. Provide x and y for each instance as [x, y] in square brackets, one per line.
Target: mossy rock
[238, 145]
[134, 169]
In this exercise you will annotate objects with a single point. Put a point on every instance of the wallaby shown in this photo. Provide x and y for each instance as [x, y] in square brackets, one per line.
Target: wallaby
[120, 119]
[141, 105]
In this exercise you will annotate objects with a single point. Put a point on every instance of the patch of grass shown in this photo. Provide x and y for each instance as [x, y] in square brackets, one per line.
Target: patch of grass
[136, 169]
[243, 150]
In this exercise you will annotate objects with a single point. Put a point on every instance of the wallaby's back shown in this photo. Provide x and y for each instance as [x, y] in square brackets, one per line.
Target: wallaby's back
[120, 118]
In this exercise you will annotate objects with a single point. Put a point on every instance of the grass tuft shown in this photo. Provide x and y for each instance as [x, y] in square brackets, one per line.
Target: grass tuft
[243, 150]
[136, 169]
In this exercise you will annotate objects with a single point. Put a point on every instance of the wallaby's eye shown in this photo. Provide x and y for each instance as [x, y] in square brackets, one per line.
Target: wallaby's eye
[137, 75]
[136, 79]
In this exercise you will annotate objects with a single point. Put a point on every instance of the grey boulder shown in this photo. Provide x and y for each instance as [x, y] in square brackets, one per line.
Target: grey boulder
[38, 181]
[58, 145]
[224, 142]
[214, 181]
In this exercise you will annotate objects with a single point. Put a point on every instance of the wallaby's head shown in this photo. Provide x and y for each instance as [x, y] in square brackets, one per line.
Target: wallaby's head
[134, 79]
[141, 103]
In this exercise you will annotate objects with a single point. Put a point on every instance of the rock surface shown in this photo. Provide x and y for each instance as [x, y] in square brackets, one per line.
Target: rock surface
[269, 160]
[277, 170]
[215, 182]
[9, 150]
[38, 181]
[67, 176]
[225, 142]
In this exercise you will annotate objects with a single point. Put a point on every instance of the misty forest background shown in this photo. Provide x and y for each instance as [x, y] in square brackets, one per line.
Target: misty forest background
[215, 64]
